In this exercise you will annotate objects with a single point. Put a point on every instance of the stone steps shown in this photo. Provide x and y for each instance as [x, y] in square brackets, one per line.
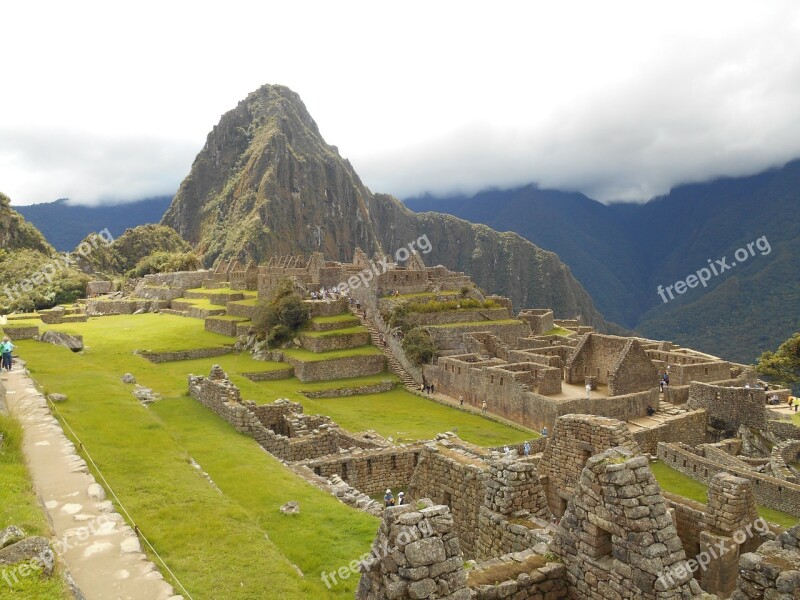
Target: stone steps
[394, 364]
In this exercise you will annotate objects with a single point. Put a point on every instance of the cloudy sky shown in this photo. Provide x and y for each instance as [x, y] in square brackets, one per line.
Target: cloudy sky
[111, 101]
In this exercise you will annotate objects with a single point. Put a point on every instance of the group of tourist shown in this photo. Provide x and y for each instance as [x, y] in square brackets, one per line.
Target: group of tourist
[6, 347]
[664, 381]
[793, 402]
[388, 498]
[427, 388]
[332, 293]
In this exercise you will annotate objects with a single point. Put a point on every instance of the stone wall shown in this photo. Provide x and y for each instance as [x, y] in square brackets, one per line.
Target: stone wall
[180, 279]
[329, 342]
[573, 440]
[153, 292]
[416, 554]
[217, 393]
[270, 375]
[240, 310]
[782, 456]
[97, 306]
[539, 319]
[519, 576]
[784, 430]
[449, 339]
[338, 368]
[768, 491]
[18, 332]
[689, 428]
[375, 388]
[221, 325]
[729, 407]
[326, 308]
[372, 471]
[773, 571]
[162, 357]
[456, 479]
[702, 372]
[616, 538]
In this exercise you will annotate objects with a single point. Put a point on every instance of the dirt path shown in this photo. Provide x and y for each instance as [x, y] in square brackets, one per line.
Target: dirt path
[100, 551]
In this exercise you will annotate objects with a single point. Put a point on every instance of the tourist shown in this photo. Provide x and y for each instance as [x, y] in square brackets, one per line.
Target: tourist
[6, 347]
[401, 500]
[650, 411]
[588, 390]
[461, 400]
[544, 431]
[507, 451]
[526, 448]
[431, 387]
[483, 408]
[795, 402]
[388, 498]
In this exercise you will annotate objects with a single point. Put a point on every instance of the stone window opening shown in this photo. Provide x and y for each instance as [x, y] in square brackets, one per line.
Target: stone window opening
[446, 498]
[369, 467]
[394, 462]
[600, 548]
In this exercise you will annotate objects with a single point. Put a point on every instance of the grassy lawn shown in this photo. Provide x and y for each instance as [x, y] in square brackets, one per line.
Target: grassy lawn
[345, 319]
[18, 506]
[229, 542]
[676, 482]
[233, 544]
[406, 417]
[559, 331]
[307, 356]
[425, 294]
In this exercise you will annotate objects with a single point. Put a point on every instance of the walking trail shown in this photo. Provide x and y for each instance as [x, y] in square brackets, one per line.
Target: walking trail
[101, 553]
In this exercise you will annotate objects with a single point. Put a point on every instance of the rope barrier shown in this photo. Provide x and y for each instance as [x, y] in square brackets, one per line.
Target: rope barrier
[119, 502]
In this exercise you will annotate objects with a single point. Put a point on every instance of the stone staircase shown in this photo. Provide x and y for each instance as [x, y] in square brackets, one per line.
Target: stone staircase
[394, 364]
[665, 410]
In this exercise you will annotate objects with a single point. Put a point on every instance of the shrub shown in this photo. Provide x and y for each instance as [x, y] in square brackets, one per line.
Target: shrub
[165, 262]
[419, 347]
[278, 318]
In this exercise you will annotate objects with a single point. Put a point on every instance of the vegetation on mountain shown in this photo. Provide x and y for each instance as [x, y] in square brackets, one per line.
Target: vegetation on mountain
[267, 184]
[65, 224]
[621, 253]
[16, 233]
[783, 365]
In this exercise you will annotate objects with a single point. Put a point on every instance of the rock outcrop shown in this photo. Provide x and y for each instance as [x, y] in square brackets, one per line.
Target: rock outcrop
[266, 183]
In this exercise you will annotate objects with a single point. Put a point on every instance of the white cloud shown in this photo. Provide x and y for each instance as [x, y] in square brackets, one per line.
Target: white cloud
[618, 100]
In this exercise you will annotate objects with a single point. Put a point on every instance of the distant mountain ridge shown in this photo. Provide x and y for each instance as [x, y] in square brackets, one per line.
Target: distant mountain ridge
[266, 183]
[621, 253]
[65, 225]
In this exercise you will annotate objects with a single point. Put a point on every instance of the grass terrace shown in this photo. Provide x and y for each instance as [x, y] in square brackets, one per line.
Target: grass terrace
[304, 355]
[334, 332]
[223, 290]
[226, 540]
[345, 320]
[424, 295]
[676, 482]
[559, 331]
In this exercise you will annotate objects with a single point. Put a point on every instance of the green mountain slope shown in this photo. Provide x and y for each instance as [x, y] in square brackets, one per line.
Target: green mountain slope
[621, 253]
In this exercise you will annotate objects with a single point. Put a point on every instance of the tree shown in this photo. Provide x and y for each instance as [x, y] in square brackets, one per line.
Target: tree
[419, 347]
[783, 365]
[278, 318]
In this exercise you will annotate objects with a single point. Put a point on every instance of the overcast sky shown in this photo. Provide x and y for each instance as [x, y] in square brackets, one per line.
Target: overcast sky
[110, 101]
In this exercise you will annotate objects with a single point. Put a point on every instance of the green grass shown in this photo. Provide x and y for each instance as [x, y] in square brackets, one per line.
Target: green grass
[343, 319]
[229, 318]
[248, 302]
[308, 356]
[200, 303]
[474, 323]
[335, 332]
[406, 417]
[676, 482]
[232, 544]
[18, 506]
[559, 331]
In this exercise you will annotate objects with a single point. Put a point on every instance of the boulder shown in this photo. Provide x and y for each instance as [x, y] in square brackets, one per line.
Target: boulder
[291, 508]
[59, 338]
[11, 535]
[57, 397]
[27, 550]
[145, 395]
[128, 378]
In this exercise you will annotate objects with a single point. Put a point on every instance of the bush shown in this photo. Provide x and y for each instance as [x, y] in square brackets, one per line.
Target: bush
[165, 262]
[419, 347]
[278, 318]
